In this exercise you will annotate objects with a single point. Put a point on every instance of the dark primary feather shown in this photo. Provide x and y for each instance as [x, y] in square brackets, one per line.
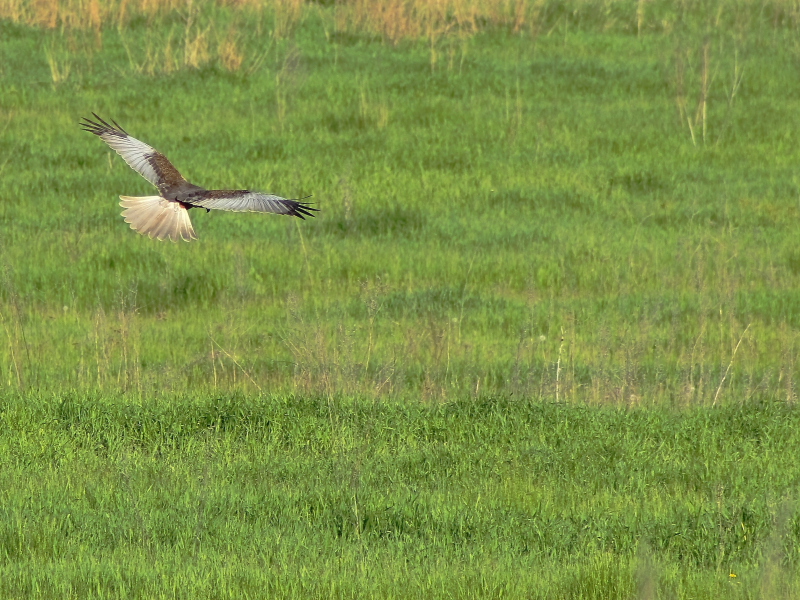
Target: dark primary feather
[101, 126]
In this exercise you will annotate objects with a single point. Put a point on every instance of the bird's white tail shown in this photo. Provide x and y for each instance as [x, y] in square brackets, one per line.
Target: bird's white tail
[157, 217]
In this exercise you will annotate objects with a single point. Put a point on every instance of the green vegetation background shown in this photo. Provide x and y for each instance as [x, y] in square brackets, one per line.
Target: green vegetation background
[362, 404]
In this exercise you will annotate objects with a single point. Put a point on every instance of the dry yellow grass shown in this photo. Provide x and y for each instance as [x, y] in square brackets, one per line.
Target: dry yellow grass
[394, 20]
[230, 56]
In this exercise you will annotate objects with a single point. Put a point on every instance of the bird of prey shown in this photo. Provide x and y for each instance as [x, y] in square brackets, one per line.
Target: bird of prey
[167, 215]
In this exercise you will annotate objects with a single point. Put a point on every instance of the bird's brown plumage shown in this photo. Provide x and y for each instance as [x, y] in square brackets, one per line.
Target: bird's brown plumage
[166, 216]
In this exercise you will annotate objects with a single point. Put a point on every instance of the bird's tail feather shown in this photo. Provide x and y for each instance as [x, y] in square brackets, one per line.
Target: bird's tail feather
[157, 217]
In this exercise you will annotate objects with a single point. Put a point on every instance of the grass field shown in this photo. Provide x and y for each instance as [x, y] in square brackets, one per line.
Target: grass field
[301, 497]
[541, 339]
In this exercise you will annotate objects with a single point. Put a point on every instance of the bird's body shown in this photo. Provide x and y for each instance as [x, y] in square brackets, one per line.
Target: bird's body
[166, 215]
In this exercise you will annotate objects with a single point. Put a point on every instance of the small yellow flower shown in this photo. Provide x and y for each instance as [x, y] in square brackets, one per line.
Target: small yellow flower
[732, 575]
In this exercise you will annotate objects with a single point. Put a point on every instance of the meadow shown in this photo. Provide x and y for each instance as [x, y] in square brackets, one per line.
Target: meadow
[540, 340]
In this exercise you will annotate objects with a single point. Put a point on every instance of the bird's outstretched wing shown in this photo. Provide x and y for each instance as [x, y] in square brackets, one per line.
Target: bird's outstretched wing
[145, 160]
[246, 201]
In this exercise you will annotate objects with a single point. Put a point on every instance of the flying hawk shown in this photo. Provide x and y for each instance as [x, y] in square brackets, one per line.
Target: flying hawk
[167, 215]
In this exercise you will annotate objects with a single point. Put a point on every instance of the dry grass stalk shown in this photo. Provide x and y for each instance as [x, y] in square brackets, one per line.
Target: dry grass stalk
[230, 57]
[234, 361]
[519, 16]
[95, 20]
[195, 43]
[20, 339]
[730, 364]
[558, 364]
[288, 14]
[703, 103]
[12, 344]
[59, 66]
[376, 113]
[700, 118]
[639, 17]
[121, 14]
[155, 60]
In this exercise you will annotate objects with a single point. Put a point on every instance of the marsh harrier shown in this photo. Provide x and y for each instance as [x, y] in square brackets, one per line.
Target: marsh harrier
[167, 215]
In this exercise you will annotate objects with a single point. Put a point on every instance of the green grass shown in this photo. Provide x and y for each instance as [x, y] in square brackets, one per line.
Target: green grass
[219, 496]
[540, 342]
[473, 216]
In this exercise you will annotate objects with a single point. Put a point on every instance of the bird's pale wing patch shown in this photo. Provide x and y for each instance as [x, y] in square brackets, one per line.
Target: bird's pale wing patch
[144, 159]
[246, 201]
[158, 218]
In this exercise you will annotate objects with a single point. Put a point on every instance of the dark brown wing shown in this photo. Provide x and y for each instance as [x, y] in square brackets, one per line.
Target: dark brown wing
[246, 201]
[145, 160]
